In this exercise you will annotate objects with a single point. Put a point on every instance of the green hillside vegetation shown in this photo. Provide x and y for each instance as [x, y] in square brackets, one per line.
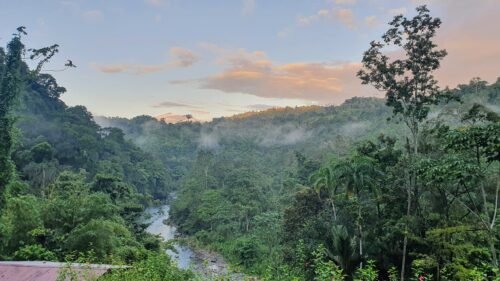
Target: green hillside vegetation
[261, 199]
[310, 192]
[404, 187]
[71, 190]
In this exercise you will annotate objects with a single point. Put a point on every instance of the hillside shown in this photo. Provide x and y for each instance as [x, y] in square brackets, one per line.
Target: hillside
[402, 187]
[256, 186]
[78, 191]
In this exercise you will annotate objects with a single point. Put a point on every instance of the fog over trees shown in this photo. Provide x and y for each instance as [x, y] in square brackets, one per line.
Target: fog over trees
[404, 187]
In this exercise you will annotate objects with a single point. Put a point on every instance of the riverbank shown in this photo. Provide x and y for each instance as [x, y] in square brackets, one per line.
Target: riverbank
[208, 265]
[211, 265]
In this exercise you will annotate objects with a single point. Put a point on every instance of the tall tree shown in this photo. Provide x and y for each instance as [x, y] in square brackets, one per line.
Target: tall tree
[10, 87]
[408, 82]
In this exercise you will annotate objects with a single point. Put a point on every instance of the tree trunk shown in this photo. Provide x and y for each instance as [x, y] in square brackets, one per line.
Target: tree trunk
[412, 178]
[493, 250]
[360, 230]
[334, 210]
[405, 239]
[492, 228]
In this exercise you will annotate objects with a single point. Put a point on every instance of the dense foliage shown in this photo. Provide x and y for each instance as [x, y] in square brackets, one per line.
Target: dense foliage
[275, 190]
[318, 192]
[70, 189]
[307, 193]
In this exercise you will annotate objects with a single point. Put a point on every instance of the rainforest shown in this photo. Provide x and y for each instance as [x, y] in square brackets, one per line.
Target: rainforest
[403, 185]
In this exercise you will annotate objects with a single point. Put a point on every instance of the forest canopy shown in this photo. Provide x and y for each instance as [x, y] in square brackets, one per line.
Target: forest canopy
[404, 187]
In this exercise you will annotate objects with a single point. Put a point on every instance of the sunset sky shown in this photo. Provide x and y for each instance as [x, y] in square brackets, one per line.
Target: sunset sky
[217, 58]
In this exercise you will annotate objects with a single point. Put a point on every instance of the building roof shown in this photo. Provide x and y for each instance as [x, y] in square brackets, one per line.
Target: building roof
[48, 271]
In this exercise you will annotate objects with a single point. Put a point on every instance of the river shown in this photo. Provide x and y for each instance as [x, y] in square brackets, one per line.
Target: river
[184, 256]
[207, 264]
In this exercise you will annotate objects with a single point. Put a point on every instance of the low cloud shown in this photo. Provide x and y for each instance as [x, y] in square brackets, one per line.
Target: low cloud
[208, 141]
[354, 129]
[283, 135]
[181, 58]
[172, 117]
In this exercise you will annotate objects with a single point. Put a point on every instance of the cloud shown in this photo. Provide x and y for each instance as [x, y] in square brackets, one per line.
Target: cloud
[239, 55]
[282, 135]
[128, 68]
[182, 58]
[344, 16]
[171, 104]
[471, 38]
[208, 141]
[248, 7]
[254, 74]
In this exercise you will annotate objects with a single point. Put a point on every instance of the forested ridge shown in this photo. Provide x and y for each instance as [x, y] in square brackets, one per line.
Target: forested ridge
[72, 191]
[404, 187]
[282, 185]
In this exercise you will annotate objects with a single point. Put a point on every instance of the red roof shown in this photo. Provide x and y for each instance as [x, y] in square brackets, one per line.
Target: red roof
[47, 271]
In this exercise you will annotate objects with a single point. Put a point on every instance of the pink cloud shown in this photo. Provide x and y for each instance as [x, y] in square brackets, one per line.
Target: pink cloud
[181, 58]
[471, 36]
[253, 73]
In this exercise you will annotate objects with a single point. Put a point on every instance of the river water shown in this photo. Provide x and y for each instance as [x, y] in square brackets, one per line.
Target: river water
[208, 265]
[184, 256]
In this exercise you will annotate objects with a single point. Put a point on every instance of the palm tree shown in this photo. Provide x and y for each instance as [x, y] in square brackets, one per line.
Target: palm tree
[324, 180]
[356, 175]
[341, 249]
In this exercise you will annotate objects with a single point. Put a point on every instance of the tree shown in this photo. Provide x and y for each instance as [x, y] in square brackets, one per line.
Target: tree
[11, 66]
[10, 87]
[357, 175]
[324, 181]
[482, 143]
[408, 83]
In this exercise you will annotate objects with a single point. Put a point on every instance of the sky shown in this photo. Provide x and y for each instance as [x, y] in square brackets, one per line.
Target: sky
[223, 57]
